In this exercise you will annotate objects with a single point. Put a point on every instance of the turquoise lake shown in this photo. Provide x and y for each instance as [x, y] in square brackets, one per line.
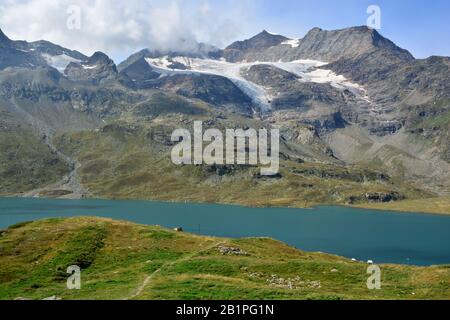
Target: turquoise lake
[384, 237]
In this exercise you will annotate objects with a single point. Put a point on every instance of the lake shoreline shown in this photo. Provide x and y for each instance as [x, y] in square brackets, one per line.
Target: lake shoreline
[363, 234]
[394, 207]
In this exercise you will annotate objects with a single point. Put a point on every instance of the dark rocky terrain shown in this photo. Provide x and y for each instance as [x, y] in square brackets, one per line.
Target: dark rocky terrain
[252, 49]
[98, 69]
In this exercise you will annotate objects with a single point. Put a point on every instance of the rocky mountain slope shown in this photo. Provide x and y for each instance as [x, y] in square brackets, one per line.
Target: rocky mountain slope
[318, 44]
[35, 54]
[362, 120]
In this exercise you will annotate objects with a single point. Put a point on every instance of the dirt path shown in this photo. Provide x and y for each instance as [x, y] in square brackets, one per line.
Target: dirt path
[148, 279]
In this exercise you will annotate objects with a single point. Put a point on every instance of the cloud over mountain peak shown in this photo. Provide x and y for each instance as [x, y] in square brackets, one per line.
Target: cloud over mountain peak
[119, 27]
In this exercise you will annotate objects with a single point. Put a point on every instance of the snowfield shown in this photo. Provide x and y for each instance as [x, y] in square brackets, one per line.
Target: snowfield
[259, 95]
[59, 62]
[294, 43]
[88, 67]
[306, 70]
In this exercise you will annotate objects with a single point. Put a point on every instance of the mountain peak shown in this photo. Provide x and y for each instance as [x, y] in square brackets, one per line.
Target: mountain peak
[98, 69]
[3, 38]
[268, 34]
[315, 30]
[240, 50]
[365, 30]
[100, 58]
[347, 43]
[262, 40]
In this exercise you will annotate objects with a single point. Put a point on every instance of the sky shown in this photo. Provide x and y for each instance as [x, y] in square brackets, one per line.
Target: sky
[120, 28]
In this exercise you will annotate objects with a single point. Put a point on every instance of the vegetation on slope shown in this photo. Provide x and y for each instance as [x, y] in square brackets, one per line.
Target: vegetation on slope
[26, 162]
[121, 260]
[130, 161]
[128, 157]
[432, 205]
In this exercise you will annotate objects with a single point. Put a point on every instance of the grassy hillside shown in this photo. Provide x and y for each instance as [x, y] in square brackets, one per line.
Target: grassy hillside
[432, 205]
[26, 162]
[129, 161]
[128, 157]
[121, 260]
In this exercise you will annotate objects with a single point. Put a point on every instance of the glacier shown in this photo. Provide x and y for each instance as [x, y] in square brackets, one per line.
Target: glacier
[307, 71]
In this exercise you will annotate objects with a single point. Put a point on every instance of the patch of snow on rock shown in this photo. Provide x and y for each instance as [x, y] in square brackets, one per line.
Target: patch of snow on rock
[162, 62]
[307, 71]
[294, 43]
[88, 67]
[59, 62]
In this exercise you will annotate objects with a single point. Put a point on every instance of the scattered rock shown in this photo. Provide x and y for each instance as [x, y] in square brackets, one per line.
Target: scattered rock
[292, 283]
[232, 251]
[221, 170]
[376, 197]
[334, 270]
[383, 197]
[276, 176]
[178, 229]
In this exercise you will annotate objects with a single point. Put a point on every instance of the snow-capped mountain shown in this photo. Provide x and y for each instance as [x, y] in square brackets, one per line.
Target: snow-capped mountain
[35, 54]
[318, 44]
[345, 98]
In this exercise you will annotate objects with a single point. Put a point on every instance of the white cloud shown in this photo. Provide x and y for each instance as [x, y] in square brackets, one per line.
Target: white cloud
[120, 28]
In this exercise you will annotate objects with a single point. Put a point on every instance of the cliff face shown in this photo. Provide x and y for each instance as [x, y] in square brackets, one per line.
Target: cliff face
[97, 69]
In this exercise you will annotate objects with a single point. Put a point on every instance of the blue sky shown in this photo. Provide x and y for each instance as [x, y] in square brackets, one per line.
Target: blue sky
[120, 28]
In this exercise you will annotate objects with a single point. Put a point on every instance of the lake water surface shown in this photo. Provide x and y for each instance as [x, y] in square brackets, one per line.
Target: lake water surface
[385, 237]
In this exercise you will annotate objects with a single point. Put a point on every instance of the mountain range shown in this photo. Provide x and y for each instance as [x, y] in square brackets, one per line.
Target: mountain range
[362, 121]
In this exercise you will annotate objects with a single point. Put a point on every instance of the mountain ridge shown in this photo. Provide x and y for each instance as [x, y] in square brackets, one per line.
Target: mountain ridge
[372, 105]
[42, 53]
[319, 44]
